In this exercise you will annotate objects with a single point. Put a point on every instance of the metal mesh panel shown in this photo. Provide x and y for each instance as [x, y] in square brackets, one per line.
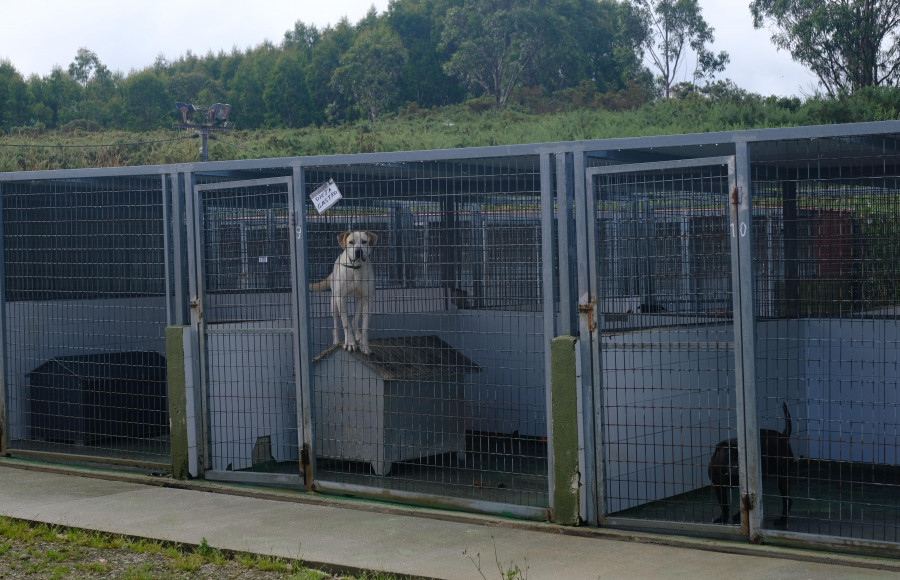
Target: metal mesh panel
[451, 400]
[86, 311]
[828, 219]
[251, 379]
[663, 259]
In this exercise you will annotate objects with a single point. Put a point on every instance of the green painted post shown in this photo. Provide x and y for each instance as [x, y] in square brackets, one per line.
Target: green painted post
[177, 401]
[564, 416]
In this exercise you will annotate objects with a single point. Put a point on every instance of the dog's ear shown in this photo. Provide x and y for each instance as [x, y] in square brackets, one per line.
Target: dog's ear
[373, 238]
[342, 239]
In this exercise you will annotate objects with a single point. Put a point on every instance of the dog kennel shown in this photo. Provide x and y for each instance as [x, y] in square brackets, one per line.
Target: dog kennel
[709, 279]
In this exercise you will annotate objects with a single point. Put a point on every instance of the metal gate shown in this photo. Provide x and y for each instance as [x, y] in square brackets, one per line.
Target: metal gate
[667, 362]
[247, 317]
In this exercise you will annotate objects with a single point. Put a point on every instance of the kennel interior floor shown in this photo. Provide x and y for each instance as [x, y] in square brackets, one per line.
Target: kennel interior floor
[830, 499]
[507, 470]
[154, 451]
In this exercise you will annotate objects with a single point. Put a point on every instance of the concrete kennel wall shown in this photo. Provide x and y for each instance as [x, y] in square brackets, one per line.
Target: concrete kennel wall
[253, 398]
[838, 378]
[681, 415]
[852, 401]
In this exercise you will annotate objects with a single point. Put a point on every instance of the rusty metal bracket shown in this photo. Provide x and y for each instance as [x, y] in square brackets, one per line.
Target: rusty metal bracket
[195, 307]
[588, 310]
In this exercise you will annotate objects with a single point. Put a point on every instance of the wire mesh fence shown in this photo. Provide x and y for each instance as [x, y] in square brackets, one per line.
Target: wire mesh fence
[84, 266]
[664, 263]
[827, 294]
[251, 392]
[450, 401]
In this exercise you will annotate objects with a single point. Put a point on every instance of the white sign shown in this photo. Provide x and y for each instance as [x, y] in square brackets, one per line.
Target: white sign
[325, 196]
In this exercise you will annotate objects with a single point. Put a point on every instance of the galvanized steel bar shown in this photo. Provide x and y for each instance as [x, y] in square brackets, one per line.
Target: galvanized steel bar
[740, 208]
[588, 348]
[549, 304]
[565, 199]
[303, 331]
[4, 379]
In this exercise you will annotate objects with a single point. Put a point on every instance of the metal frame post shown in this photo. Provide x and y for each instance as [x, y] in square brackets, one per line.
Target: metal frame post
[549, 306]
[588, 361]
[303, 328]
[565, 201]
[4, 385]
[741, 229]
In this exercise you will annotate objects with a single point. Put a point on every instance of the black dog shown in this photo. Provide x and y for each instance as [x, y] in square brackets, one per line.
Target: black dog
[776, 456]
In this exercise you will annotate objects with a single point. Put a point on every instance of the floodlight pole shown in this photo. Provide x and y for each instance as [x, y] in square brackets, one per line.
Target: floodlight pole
[204, 142]
[203, 131]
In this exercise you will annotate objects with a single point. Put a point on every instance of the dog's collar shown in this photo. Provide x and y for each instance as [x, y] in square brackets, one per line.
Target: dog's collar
[351, 266]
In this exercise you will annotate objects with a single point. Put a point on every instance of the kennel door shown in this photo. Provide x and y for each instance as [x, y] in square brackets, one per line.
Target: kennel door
[249, 327]
[665, 378]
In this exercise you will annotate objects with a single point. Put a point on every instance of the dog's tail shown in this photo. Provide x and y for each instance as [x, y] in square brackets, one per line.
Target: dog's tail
[788, 427]
[321, 286]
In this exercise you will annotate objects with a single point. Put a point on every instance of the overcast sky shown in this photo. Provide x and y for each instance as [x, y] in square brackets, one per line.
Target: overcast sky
[36, 35]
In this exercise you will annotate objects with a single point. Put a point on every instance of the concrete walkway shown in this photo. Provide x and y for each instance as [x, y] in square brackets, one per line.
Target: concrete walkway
[354, 535]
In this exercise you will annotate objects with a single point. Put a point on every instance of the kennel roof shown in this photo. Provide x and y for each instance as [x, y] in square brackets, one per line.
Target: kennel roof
[410, 358]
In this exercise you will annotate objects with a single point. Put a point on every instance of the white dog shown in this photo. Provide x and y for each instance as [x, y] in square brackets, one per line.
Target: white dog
[352, 276]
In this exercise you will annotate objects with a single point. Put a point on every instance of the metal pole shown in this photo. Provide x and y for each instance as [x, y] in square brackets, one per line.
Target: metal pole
[204, 152]
[740, 204]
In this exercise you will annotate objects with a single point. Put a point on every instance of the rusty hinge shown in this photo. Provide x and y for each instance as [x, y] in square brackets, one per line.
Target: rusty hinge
[735, 198]
[588, 310]
[306, 466]
[195, 307]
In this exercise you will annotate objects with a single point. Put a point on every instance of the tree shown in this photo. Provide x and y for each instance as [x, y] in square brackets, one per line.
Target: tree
[494, 43]
[245, 93]
[674, 26]
[55, 98]
[369, 70]
[13, 97]
[847, 44]
[417, 23]
[325, 58]
[286, 96]
[145, 101]
[87, 66]
[596, 41]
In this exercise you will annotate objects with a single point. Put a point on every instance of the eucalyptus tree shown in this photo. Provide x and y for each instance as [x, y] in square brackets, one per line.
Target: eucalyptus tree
[847, 44]
[369, 70]
[495, 44]
[676, 30]
[13, 96]
[418, 25]
[594, 41]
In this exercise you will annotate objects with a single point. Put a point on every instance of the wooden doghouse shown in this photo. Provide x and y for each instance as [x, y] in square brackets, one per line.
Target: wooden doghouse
[403, 401]
[83, 399]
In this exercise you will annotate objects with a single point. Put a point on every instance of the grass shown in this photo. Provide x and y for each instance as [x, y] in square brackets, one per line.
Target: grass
[45, 551]
[509, 571]
[453, 126]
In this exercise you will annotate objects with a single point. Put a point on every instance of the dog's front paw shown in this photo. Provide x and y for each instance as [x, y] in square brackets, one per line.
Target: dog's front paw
[364, 348]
